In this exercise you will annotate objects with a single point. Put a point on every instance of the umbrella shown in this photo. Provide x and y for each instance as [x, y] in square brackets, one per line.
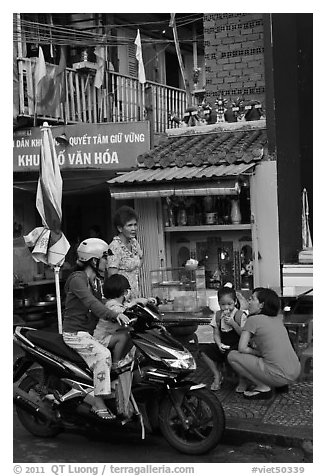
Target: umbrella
[50, 246]
[306, 237]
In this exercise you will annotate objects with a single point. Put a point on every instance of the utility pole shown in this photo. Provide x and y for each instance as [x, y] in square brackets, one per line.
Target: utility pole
[173, 25]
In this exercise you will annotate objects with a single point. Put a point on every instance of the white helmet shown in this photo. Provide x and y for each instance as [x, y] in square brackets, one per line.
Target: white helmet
[92, 248]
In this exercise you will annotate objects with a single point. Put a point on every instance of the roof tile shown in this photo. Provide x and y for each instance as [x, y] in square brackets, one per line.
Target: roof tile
[202, 149]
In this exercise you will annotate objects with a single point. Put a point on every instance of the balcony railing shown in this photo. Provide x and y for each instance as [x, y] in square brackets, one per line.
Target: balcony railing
[120, 99]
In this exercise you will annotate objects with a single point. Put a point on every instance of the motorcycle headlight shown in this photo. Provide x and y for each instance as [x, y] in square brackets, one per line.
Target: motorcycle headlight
[183, 359]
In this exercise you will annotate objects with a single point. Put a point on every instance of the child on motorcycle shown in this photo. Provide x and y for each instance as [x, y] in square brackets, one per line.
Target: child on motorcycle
[82, 309]
[116, 290]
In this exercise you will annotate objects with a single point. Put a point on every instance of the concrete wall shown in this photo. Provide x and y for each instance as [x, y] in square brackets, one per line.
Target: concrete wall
[265, 230]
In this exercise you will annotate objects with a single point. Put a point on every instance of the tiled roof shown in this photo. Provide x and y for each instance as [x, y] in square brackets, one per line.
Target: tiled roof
[226, 147]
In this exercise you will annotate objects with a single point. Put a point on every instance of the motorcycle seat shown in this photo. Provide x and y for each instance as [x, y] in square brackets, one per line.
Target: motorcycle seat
[54, 343]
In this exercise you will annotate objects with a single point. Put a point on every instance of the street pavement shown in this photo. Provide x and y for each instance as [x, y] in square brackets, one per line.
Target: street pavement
[285, 419]
[128, 447]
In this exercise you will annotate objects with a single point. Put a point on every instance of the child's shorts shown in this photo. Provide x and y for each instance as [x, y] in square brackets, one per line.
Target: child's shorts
[103, 339]
[214, 353]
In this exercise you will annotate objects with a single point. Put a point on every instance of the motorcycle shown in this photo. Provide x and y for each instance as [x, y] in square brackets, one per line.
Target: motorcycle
[53, 387]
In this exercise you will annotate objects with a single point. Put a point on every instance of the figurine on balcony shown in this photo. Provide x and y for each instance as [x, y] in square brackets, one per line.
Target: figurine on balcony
[221, 108]
[206, 113]
[253, 110]
[234, 110]
[195, 76]
[190, 118]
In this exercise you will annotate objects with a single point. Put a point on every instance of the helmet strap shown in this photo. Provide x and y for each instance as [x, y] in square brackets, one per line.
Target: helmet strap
[95, 266]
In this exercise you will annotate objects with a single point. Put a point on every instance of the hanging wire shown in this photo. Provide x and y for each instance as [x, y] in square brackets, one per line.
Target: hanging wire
[164, 22]
[40, 33]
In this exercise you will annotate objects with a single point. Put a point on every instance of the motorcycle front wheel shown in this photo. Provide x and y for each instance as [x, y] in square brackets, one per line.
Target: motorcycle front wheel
[205, 422]
[36, 426]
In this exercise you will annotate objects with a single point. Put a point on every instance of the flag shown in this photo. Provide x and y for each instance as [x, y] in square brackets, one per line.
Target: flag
[44, 86]
[139, 56]
[40, 69]
[16, 90]
[100, 53]
[52, 88]
[60, 77]
[306, 236]
[41, 82]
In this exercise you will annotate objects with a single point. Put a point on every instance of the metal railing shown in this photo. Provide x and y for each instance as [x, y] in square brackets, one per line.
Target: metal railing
[120, 99]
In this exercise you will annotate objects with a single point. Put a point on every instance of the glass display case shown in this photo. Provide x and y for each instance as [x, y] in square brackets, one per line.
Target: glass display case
[179, 289]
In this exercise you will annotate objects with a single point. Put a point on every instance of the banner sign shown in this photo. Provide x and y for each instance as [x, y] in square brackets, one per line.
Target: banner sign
[113, 145]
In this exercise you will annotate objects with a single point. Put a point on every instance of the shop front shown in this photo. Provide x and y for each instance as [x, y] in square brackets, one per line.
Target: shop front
[89, 155]
[206, 194]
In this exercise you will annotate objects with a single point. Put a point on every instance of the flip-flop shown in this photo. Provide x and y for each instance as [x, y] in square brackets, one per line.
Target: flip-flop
[258, 395]
[103, 413]
[241, 388]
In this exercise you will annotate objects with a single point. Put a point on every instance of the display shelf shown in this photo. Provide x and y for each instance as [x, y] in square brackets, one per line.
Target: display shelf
[171, 229]
[34, 283]
[38, 306]
[35, 306]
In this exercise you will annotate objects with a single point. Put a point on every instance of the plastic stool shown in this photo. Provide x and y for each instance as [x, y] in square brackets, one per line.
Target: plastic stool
[306, 362]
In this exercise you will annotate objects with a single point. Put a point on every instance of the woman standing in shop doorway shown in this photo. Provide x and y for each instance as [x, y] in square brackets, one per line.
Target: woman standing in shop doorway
[125, 254]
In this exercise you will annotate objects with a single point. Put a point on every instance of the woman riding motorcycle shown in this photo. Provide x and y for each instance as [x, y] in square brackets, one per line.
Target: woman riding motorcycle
[83, 308]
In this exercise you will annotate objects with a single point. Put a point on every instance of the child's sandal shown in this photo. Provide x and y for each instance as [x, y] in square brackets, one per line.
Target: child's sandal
[216, 385]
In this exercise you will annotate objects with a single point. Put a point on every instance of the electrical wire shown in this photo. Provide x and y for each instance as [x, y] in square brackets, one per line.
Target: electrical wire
[180, 22]
[166, 22]
[33, 32]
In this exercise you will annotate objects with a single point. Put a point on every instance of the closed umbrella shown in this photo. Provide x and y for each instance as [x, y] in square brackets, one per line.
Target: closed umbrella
[306, 236]
[50, 246]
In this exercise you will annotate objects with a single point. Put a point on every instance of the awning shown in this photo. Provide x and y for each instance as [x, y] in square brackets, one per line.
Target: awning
[74, 182]
[181, 181]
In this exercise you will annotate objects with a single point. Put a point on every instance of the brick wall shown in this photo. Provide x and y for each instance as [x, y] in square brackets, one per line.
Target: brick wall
[234, 55]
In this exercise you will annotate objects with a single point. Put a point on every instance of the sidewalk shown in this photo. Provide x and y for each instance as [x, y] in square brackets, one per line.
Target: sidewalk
[286, 419]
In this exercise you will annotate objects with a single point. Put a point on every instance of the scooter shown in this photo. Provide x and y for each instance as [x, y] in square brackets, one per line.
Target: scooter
[53, 387]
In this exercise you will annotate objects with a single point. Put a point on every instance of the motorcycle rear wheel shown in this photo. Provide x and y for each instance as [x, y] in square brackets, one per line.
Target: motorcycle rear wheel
[206, 422]
[36, 426]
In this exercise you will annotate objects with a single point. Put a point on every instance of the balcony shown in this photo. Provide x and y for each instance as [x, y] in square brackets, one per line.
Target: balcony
[120, 99]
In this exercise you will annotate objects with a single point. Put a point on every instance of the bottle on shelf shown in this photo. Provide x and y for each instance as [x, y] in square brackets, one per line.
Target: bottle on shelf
[235, 212]
[182, 217]
[166, 219]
